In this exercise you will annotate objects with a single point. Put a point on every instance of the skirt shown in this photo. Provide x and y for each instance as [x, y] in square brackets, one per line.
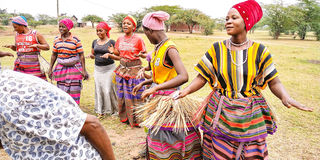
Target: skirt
[105, 90]
[24, 64]
[126, 101]
[69, 79]
[233, 123]
[39, 121]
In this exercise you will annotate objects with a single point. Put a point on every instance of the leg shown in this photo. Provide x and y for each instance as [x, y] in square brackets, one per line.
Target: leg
[98, 137]
[1, 145]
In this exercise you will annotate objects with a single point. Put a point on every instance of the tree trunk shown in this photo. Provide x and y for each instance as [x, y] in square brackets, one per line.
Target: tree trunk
[190, 27]
[92, 24]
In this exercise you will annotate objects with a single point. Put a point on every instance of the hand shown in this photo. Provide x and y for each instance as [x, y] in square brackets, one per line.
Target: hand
[111, 49]
[34, 46]
[289, 102]
[9, 46]
[180, 94]
[148, 92]
[106, 55]
[50, 73]
[141, 73]
[85, 75]
[90, 56]
[3, 54]
[136, 89]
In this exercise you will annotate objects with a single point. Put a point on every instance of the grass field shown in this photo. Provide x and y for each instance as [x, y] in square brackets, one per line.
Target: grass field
[298, 63]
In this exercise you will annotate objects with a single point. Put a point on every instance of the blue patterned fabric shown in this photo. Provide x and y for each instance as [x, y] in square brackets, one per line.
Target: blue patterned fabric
[40, 121]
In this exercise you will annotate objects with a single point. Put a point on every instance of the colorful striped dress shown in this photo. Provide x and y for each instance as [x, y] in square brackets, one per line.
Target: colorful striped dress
[68, 71]
[126, 72]
[236, 118]
[27, 60]
[167, 144]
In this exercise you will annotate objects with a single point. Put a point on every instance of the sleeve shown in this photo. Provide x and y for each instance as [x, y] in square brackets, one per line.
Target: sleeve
[112, 42]
[205, 67]
[93, 43]
[267, 70]
[116, 46]
[54, 48]
[79, 48]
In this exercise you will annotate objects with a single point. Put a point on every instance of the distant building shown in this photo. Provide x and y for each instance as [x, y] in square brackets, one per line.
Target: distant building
[182, 27]
[79, 23]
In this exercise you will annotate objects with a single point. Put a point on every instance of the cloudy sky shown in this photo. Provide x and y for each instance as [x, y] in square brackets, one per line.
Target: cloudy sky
[105, 8]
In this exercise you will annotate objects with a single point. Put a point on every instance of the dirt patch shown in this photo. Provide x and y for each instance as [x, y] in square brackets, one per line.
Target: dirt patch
[314, 61]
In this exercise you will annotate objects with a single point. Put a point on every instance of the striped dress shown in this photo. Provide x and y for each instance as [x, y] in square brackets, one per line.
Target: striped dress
[236, 118]
[167, 144]
[27, 58]
[68, 71]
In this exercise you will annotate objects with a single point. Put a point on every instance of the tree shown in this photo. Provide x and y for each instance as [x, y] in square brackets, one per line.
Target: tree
[118, 18]
[171, 10]
[219, 23]
[207, 23]
[46, 19]
[28, 16]
[34, 23]
[191, 17]
[92, 19]
[277, 19]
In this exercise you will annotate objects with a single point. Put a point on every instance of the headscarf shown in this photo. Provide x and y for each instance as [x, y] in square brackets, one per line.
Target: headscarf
[250, 11]
[20, 20]
[105, 26]
[132, 20]
[155, 20]
[68, 22]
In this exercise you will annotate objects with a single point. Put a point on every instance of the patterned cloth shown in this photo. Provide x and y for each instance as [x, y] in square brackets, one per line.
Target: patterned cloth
[237, 81]
[39, 121]
[130, 47]
[126, 101]
[236, 113]
[27, 58]
[68, 71]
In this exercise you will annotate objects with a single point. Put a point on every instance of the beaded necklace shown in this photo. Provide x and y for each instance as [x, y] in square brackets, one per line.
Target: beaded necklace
[238, 45]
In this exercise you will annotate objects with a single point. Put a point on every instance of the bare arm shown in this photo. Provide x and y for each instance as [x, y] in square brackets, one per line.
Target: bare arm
[181, 78]
[43, 45]
[12, 47]
[83, 64]
[278, 90]
[195, 85]
[3, 54]
[52, 61]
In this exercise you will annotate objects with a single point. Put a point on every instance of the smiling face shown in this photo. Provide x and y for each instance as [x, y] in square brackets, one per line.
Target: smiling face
[101, 33]
[127, 26]
[63, 29]
[234, 23]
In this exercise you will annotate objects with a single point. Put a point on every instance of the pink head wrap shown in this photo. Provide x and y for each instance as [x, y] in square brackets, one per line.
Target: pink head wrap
[105, 26]
[250, 12]
[68, 22]
[20, 20]
[155, 20]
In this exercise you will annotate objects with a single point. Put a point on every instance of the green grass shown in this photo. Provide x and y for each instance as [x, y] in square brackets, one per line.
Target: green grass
[298, 132]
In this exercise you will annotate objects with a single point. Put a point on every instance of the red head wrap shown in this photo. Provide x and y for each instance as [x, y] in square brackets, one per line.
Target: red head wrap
[132, 20]
[250, 11]
[105, 26]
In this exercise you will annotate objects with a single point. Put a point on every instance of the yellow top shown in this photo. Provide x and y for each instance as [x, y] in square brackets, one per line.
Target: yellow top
[161, 71]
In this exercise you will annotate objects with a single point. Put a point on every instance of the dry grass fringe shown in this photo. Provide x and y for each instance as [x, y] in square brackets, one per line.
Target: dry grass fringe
[165, 110]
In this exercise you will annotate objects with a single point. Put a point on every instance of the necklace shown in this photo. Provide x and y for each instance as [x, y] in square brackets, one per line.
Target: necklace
[159, 44]
[129, 39]
[246, 53]
[238, 45]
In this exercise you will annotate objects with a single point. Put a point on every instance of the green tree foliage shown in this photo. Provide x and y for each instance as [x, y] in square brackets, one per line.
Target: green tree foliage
[28, 16]
[171, 10]
[219, 23]
[191, 17]
[207, 23]
[46, 19]
[92, 19]
[277, 19]
[34, 23]
[117, 18]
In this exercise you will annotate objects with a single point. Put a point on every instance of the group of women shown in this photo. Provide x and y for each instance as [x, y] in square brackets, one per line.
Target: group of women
[235, 118]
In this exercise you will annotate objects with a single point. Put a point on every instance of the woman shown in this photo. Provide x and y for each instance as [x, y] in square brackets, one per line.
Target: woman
[168, 73]
[39, 121]
[71, 69]
[236, 118]
[128, 49]
[28, 44]
[105, 93]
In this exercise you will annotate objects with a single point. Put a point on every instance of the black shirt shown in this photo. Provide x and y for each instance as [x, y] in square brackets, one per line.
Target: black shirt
[100, 50]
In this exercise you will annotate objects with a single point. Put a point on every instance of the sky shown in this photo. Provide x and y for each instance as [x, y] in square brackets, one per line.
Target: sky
[105, 8]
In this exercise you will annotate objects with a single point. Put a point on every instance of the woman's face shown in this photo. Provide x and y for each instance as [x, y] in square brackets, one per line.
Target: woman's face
[148, 33]
[18, 28]
[127, 26]
[101, 33]
[63, 29]
[234, 22]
